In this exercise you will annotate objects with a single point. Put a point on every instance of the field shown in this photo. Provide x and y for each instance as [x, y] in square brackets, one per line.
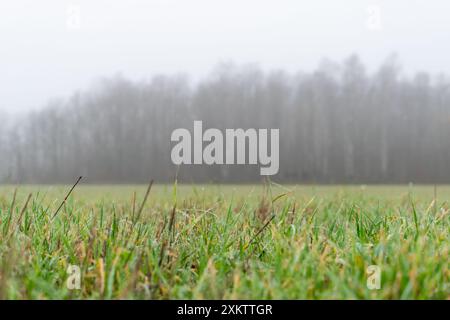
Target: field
[224, 242]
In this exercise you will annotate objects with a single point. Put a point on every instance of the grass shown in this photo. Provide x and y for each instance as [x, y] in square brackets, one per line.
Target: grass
[224, 242]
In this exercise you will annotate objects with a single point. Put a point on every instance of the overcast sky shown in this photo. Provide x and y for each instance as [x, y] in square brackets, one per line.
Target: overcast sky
[52, 48]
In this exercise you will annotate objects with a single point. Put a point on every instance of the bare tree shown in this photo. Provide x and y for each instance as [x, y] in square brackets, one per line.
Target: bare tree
[338, 124]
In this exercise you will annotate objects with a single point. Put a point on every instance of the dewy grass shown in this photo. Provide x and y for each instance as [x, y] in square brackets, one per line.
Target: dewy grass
[215, 242]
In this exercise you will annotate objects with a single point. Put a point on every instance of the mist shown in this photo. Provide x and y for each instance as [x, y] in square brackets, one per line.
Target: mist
[51, 48]
[338, 124]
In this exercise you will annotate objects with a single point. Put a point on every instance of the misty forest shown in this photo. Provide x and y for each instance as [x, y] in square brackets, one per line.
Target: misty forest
[338, 124]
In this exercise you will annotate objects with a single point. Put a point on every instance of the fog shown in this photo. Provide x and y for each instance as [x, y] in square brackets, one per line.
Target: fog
[338, 124]
[359, 90]
[52, 48]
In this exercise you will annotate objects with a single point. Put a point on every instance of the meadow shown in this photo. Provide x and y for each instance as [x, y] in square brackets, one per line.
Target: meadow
[224, 242]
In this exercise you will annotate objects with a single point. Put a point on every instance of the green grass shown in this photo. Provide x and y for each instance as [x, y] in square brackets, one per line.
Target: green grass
[225, 242]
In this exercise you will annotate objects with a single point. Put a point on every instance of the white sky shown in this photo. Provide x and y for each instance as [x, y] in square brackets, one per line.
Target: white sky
[44, 55]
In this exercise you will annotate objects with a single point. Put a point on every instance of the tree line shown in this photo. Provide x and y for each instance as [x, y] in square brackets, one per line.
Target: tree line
[338, 124]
